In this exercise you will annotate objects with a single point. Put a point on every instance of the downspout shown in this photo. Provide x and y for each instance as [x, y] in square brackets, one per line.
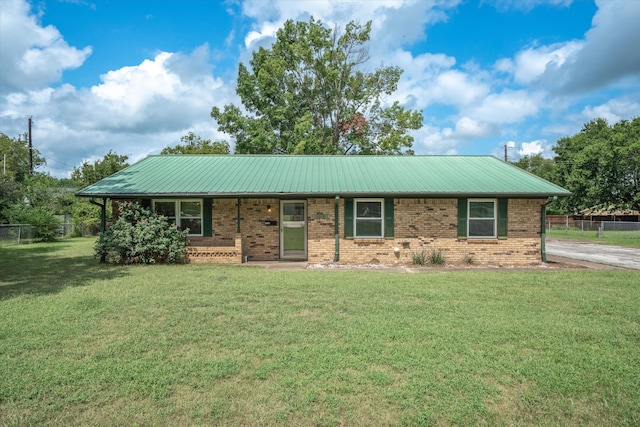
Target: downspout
[543, 224]
[336, 255]
[103, 220]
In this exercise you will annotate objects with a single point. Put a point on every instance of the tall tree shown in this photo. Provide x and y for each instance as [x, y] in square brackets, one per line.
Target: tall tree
[601, 165]
[537, 165]
[89, 173]
[194, 144]
[14, 158]
[15, 175]
[311, 94]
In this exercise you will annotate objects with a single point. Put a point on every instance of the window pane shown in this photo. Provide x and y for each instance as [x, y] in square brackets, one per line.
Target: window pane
[481, 209]
[293, 211]
[368, 228]
[293, 238]
[167, 209]
[190, 209]
[481, 227]
[194, 225]
[369, 209]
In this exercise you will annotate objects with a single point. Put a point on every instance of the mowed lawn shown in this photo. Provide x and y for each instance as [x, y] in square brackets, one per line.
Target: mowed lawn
[629, 239]
[89, 344]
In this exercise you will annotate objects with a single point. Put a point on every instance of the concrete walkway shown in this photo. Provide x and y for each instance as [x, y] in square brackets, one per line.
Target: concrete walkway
[593, 252]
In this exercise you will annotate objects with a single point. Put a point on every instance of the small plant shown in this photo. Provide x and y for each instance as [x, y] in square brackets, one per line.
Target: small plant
[436, 257]
[468, 259]
[419, 258]
[140, 236]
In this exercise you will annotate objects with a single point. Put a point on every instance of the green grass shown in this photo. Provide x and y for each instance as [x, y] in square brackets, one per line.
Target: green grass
[87, 344]
[617, 238]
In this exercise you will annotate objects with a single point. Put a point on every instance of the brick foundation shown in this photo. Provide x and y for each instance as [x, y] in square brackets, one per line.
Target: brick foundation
[204, 250]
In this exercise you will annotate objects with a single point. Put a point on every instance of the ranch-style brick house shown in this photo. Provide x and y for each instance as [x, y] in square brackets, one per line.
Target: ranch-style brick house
[347, 209]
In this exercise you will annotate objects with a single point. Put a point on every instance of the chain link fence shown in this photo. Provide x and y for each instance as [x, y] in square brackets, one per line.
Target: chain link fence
[19, 234]
[15, 234]
[600, 228]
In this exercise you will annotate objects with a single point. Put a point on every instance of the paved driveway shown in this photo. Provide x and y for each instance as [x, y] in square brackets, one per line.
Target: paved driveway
[603, 254]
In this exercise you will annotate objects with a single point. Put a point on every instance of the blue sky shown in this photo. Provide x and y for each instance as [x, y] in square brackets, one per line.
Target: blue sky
[134, 76]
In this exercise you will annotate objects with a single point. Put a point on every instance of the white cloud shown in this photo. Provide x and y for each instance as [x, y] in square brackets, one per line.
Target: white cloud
[32, 56]
[531, 148]
[268, 31]
[526, 5]
[135, 111]
[613, 111]
[394, 22]
[531, 63]
[508, 106]
[431, 140]
[608, 56]
[467, 128]
[454, 87]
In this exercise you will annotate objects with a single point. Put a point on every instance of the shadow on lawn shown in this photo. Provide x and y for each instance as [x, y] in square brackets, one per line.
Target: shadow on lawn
[41, 269]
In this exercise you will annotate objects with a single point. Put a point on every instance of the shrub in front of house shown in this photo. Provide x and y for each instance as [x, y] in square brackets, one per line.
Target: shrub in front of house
[140, 236]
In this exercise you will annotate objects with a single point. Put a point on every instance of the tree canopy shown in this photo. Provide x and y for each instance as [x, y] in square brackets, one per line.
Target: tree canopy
[310, 94]
[601, 165]
[194, 144]
[89, 173]
[16, 153]
[537, 165]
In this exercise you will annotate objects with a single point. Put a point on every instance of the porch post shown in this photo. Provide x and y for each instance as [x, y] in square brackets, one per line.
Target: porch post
[336, 255]
[543, 233]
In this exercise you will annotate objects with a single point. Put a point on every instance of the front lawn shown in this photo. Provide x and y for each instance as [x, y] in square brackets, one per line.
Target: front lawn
[89, 344]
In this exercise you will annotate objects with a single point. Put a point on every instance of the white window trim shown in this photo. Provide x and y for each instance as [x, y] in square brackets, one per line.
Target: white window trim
[356, 218]
[495, 218]
[177, 206]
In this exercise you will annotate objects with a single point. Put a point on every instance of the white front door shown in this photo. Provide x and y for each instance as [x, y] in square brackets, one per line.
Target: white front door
[293, 229]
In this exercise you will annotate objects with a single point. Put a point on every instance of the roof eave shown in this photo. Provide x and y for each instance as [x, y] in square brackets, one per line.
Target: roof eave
[280, 195]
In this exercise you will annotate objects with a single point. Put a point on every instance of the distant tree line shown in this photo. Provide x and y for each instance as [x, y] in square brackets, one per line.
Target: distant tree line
[600, 165]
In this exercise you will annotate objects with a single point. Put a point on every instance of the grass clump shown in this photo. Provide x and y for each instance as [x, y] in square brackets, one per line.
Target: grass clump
[436, 257]
[433, 257]
[419, 258]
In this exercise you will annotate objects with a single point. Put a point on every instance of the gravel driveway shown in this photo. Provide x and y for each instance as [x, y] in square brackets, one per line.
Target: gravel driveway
[592, 252]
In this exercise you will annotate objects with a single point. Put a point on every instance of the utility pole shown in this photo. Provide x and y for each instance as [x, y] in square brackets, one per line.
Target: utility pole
[31, 148]
[506, 158]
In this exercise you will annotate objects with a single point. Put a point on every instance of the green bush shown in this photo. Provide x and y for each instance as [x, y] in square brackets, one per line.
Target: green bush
[46, 225]
[141, 236]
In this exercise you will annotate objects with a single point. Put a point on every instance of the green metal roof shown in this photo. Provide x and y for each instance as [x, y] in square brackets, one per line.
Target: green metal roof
[277, 175]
